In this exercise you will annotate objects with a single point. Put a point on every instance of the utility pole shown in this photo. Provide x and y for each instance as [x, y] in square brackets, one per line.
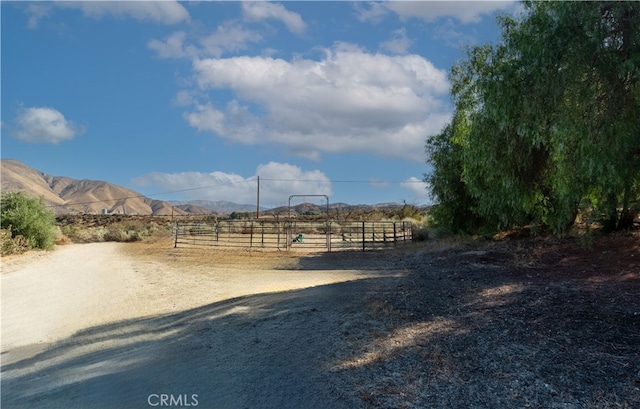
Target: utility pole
[258, 200]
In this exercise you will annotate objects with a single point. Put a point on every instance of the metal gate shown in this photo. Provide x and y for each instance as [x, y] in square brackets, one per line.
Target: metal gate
[292, 235]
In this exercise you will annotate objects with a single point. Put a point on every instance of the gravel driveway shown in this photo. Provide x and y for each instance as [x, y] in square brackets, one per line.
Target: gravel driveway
[94, 325]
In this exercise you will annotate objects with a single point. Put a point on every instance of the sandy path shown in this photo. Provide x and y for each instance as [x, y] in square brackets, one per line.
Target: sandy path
[52, 295]
[49, 296]
[79, 321]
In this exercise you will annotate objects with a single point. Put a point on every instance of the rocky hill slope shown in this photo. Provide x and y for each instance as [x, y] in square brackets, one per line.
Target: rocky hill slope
[67, 195]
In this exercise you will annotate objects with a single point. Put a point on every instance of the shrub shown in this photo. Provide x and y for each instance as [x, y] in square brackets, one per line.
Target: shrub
[119, 231]
[12, 245]
[423, 232]
[408, 212]
[28, 217]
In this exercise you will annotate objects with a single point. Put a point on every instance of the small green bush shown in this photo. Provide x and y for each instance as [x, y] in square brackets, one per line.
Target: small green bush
[28, 217]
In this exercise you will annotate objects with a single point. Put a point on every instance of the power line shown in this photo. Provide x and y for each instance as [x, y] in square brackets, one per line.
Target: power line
[382, 182]
[152, 194]
[390, 182]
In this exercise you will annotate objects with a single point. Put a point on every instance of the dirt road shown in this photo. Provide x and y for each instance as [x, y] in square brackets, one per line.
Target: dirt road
[521, 323]
[93, 326]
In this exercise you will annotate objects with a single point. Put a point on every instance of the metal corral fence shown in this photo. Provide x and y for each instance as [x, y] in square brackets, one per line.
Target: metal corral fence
[292, 235]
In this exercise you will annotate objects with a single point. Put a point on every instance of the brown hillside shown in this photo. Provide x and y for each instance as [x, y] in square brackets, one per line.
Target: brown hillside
[193, 209]
[68, 195]
[20, 177]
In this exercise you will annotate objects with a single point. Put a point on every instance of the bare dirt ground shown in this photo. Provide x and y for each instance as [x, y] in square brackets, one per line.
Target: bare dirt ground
[519, 323]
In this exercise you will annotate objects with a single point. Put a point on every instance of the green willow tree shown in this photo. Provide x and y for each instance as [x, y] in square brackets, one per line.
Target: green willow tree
[546, 123]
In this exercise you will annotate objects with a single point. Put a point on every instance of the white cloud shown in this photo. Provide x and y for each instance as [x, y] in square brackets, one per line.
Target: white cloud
[464, 11]
[398, 44]
[277, 182]
[350, 101]
[228, 37]
[173, 46]
[185, 98]
[372, 11]
[206, 118]
[36, 12]
[418, 190]
[262, 10]
[45, 125]
[280, 180]
[162, 12]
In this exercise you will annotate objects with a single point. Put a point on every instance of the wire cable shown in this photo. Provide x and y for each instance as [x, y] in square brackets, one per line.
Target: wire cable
[386, 182]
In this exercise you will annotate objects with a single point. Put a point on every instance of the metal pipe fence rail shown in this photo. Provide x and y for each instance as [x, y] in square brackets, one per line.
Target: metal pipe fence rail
[292, 235]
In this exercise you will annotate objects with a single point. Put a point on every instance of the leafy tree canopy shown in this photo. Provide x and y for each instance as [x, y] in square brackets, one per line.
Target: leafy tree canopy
[546, 123]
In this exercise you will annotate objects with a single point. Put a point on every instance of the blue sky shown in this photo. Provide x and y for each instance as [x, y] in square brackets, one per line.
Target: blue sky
[330, 98]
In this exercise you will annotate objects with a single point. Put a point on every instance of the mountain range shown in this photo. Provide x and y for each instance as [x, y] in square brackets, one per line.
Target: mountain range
[66, 195]
[217, 206]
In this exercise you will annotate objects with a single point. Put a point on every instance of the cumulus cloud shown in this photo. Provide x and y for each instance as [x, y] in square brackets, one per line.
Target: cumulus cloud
[349, 101]
[463, 11]
[262, 10]
[206, 118]
[418, 190]
[45, 125]
[162, 12]
[277, 182]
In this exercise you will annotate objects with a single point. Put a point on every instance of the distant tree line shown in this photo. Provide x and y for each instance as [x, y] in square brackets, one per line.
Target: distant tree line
[546, 126]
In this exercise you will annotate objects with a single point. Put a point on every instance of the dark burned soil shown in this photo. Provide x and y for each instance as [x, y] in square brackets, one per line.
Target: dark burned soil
[545, 323]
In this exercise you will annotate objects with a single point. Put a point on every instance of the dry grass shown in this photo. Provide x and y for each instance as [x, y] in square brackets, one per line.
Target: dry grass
[12, 245]
[529, 323]
[161, 249]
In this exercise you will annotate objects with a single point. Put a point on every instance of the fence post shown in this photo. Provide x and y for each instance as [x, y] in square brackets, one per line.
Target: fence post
[363, 238]
[395, 235]
[278, 229]
[175, 243]
[373, 234]
[251, 235]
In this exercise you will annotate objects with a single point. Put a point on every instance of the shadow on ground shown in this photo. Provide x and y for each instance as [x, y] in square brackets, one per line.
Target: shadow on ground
[552, 325]
[450, 329]
[262, 351]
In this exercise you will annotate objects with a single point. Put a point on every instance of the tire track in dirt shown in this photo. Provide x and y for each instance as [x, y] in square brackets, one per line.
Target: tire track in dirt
[49, 296]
